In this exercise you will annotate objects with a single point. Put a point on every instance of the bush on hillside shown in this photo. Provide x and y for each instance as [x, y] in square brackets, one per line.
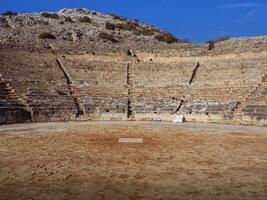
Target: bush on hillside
[185, 41]
[68, 19]
[47, 35]
[166, 37]
[9, 13]
[213, 42]
[110, 26]
[147, 31]
[107, 36]
[85, 19]
[50, 15]
[125, 26]
[116, 17]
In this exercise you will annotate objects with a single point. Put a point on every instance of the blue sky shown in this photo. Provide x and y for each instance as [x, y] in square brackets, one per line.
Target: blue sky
[198, 20]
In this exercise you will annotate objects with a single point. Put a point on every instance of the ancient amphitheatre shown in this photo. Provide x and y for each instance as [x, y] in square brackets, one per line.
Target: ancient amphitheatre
[76, 82]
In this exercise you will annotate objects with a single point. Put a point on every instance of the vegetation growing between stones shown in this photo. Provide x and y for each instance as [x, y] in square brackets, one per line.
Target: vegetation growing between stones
[116, 17]
[219, 39]
[50, 15]
[125, 26]
[9, 13]
[107, 36]
[47, 35]
[85, 19]
[145, 32]
[110, 26]
[166, 37]
[68, 19]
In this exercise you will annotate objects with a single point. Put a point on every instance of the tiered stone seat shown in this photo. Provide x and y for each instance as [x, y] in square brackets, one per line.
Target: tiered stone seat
[169, 91]
[255, 114]
[101, 91]
[219, 93]
[50, 106]
[208, 111]
[104, 106]
[96, 73]
[24, 70]
[231, 71]
[157, 105]
[11, 109]
[255, 109]
[105, 102]
[163, 74]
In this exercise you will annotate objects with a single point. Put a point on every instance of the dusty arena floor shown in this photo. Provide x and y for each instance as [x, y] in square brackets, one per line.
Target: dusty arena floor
[82, 160]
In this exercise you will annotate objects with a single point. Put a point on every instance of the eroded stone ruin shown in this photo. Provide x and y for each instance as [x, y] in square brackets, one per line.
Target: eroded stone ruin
[78, 75]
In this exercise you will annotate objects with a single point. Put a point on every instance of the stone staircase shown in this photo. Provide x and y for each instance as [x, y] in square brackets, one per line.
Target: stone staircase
[131, 93]
[12, 109]
[194, 73]
[71, 89]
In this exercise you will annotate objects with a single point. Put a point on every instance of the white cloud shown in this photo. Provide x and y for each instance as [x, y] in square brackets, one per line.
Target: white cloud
[248, 17]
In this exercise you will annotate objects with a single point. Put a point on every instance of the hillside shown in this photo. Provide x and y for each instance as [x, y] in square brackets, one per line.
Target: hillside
[82, 26]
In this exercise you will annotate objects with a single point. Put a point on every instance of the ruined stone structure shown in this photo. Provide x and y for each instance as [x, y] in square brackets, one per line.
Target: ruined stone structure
[58, 80]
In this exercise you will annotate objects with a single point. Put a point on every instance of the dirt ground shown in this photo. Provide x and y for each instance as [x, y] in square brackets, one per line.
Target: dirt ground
[57, 161]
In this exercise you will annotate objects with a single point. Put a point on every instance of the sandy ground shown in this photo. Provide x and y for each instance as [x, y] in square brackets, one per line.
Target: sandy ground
[56, 161]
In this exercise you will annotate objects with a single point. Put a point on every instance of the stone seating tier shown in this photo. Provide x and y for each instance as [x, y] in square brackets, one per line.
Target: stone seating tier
[11, 109]
[98, 106]
[50, 106]
[255, 113]
[156, 105]
[94, 73]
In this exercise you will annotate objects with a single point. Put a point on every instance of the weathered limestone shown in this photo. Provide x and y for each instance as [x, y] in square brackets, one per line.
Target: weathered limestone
[11, 109]
[50, 106]
[103, 107]
[208, 111]
[255, 113]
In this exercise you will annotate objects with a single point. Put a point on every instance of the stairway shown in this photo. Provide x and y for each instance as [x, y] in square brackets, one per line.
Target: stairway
[71, 89]
[131, 95]
[194, 73]
[12, 110]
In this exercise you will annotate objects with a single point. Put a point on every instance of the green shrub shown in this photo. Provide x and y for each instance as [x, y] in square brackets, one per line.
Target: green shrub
[213, 42]
[116, 17]
[9, 13]
[47, 35]
[107, 36]
[50, 15]
[85, 19]
[166, 37]
[147, 31]
[68, 19]
[133, 23]
[125, 26]
[110, 26]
